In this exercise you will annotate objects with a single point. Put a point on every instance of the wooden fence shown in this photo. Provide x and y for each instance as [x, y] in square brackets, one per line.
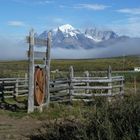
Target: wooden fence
[13, 87]
[86, 88]
[68, 89]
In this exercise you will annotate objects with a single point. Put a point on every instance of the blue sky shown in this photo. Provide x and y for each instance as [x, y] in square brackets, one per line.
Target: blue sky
[18, 16]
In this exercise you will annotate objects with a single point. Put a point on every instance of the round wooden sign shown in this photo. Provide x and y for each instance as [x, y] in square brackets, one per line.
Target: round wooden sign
[39, 90]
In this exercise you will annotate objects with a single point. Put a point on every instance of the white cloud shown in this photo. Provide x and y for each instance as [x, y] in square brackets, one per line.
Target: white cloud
[48, 1]
[127, 47]
[12, 48]
[42, 2]
[133, 11]
[95, 7]
[16, 23]
[36, 2]
[63, 6]
[129, 26]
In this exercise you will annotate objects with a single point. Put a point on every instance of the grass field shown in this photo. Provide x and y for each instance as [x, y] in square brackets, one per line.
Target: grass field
[19, 68]
[77, 121]
[117, 64]
[15, 68]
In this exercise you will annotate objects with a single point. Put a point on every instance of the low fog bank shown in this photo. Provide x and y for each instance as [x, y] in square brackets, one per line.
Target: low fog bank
[16, 50]
[12, 49]
[123, 47]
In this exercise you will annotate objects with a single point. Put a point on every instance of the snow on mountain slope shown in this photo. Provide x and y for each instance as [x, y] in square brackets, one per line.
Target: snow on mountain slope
[66, 28]
[66, 36]
[98, 35]
[94, 39]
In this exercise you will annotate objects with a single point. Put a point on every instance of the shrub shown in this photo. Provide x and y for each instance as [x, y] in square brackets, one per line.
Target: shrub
[118, 120]
[60, 130]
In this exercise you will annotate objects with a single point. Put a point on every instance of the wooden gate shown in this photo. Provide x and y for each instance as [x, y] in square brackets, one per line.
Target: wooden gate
[39, 85]
[39, 76]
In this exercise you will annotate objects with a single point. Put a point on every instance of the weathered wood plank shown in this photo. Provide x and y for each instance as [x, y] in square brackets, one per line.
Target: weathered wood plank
[109, 84]
[22, 86]
[48, 61]
[37, 41]
[9, 87]
[107, 95]
[85, 100]
[6, 97]
[38, 54]
[92, 87]
[82, 94]
[71, 89]
[92, 81]
[40, 42]
[8, 92]
[22, 95]
[31, 72]
[90, 78]
[13, 81]
[23, 91]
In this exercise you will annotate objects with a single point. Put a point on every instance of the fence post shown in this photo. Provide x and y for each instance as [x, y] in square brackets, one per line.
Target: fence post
[87, 83]
[26, 78]
[71, 91]
[110, 83]
[16, 88]
[48, 59]
[121, 88]
[2, 90]
[31, 72]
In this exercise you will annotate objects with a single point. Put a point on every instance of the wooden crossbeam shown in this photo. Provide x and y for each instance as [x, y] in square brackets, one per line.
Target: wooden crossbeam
[37, 41]
[38, 54]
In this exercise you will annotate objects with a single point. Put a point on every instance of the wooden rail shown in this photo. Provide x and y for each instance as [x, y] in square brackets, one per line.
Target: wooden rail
[86, 87]
[13, 87]
[68, 89]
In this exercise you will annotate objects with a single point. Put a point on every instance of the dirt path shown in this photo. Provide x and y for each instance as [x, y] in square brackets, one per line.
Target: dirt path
[17, 129]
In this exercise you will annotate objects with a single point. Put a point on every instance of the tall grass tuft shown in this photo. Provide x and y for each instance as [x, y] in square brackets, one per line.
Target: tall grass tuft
[118, 120]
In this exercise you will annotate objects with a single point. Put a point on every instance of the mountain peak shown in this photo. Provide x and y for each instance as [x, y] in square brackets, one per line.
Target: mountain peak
[66, 36]
[66, 28]
[68, 31]
[100, 35]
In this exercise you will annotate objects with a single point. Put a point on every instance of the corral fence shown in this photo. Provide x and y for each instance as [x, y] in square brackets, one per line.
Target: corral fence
[70, 88]
[13, 87]
[86, 87]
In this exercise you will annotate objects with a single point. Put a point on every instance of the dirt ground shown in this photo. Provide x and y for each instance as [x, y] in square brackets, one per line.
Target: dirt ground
[12, 128]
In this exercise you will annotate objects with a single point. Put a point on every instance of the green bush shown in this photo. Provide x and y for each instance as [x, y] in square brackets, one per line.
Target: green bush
[118, 120]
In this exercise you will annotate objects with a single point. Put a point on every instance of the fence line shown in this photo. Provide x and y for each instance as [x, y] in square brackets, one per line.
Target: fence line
[68, 89]
[13, 87]
[84, 88]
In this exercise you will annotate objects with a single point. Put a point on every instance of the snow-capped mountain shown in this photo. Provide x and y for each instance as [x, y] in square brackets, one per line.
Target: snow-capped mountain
[68, 31]
[98, 35]
[66, 36]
